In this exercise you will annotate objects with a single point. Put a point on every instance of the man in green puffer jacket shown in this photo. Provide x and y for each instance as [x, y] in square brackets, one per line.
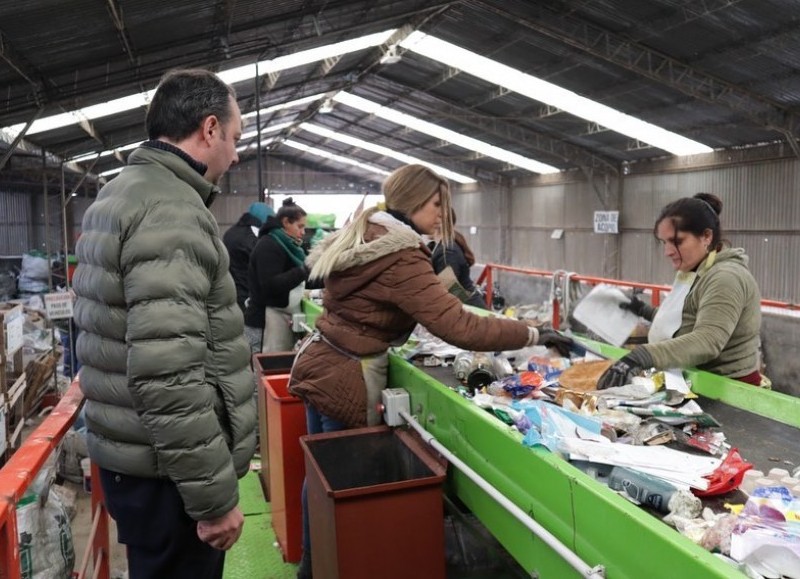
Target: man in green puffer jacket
[169, 406]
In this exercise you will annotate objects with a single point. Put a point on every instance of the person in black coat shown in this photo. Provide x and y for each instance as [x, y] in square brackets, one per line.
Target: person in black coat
[240, 240]
[460, 258]
[276, 277]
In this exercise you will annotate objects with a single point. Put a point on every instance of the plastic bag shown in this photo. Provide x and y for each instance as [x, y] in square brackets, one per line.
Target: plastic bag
[727, 477]
[46, 549]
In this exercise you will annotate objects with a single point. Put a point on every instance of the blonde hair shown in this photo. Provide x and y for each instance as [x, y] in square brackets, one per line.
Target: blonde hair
[406, 190]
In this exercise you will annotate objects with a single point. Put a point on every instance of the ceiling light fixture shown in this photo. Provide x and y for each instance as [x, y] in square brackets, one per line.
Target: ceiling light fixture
[391, 56]
[327, 106]
[230, 76]
[551, 94]
[444, 134]
[286, 105]
[368, 146]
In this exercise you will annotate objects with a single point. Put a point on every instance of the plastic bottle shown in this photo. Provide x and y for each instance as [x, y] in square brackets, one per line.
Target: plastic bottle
[648, 490]
[645, 489]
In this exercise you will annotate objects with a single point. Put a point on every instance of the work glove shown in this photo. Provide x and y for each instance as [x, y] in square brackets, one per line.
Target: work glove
[638, 307]
[552, 339]
[624, 369]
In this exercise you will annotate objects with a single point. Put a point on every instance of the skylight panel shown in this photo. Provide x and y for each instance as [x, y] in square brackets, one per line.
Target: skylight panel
[442, 133]
[231, 76]
[286, 105]
[546, 92]
[336, 158]
[304, 57]
[381, 150]
[90, 156]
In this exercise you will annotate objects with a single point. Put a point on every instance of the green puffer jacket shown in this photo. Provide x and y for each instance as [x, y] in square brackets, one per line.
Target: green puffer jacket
[720, 330]
[165, 368]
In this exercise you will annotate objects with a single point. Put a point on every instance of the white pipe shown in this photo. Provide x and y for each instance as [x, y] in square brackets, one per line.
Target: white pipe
[550, 540]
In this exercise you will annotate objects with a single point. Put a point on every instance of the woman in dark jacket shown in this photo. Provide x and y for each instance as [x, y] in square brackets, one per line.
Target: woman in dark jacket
[459, 257]
[240, 240]
[277, 275]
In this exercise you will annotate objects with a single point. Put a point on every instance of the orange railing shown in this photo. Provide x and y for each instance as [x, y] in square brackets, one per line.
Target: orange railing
[487, 277]
[20, 471]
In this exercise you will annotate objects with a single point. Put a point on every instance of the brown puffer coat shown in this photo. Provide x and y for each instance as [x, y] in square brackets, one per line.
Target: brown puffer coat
[376, 295]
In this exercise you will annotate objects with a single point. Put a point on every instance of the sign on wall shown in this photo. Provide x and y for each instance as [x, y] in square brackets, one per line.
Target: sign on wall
[606, 221]
[58, 306]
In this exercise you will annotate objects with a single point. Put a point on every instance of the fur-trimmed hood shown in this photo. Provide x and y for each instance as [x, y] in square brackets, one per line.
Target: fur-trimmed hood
[385, 235]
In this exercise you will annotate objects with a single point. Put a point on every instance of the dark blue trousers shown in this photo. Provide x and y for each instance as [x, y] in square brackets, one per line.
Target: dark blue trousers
[161, 538]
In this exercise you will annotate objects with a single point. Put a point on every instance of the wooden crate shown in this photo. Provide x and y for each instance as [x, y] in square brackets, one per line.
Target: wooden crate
[12, 319]
[13, 403]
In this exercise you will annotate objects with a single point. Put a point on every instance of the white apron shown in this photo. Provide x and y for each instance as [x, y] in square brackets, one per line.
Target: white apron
[669, 317]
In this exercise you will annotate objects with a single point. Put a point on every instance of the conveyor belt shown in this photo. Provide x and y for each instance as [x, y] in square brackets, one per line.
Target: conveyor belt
[761, 441]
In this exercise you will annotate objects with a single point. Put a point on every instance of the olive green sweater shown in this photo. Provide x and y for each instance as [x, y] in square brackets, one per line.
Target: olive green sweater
[721, 321]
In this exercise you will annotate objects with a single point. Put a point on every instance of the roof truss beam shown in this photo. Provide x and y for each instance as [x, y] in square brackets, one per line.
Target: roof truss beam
[661, 68]
[510, 132]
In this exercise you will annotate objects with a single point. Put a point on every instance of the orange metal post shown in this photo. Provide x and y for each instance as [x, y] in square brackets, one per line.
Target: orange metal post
[20, 471]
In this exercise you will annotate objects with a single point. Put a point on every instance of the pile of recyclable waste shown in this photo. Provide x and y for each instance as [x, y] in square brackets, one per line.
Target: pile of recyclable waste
[650, 441]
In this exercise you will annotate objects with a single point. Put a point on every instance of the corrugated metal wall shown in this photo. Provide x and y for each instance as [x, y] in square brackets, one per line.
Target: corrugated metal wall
[482, 208]
[15, 220]
[761, 214]
[537, 212]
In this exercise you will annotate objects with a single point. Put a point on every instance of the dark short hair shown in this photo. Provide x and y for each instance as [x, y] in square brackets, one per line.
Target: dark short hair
[694, 215]
[184, 98]
[290, 210]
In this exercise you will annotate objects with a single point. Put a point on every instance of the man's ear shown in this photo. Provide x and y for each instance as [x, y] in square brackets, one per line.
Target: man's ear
[209, 126]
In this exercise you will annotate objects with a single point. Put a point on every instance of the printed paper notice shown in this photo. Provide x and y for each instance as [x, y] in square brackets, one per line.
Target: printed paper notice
[600, 312]
[58, 305]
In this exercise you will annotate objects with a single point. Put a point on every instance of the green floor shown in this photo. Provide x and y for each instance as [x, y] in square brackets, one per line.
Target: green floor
[256, 555]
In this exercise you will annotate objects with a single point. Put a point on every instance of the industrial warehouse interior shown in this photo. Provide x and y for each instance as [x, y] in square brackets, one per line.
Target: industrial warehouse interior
[573, 137]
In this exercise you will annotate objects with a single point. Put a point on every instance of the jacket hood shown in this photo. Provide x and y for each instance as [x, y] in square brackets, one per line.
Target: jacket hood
[384, 241]
[733, 255]
[270, 224]
[248, 220]
[380, 240]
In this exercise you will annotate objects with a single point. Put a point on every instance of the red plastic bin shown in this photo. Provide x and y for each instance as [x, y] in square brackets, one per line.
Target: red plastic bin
[286, 423]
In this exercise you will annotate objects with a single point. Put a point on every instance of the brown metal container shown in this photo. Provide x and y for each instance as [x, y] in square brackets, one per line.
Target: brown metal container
[267, 365]
[375, 505]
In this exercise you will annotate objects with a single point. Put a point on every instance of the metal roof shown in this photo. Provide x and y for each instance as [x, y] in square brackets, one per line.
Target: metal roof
[722, 72]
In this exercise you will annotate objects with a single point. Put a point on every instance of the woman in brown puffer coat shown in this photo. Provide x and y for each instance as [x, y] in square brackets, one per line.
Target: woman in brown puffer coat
[379, 283]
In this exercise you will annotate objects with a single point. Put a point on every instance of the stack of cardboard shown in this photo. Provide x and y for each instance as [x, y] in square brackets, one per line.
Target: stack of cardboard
[12, 377]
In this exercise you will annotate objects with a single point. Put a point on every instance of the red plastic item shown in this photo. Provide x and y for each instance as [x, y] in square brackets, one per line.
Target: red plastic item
[286, 423]
[727, 477]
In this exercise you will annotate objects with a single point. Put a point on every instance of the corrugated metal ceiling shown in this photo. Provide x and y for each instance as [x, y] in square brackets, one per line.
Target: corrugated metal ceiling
[723, 72]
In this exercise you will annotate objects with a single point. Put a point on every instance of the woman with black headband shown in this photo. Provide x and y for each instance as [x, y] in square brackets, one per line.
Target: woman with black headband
[711, 319]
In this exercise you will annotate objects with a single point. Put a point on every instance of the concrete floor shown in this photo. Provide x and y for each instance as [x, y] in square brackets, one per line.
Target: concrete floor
[81, 527]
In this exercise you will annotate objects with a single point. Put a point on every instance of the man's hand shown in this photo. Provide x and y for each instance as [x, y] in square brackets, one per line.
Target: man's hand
[223, 532]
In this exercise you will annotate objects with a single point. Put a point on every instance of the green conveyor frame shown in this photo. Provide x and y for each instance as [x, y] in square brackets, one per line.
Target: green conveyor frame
[600, 526]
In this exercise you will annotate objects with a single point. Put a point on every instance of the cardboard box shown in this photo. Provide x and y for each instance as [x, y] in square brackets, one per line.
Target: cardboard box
[12, 318]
